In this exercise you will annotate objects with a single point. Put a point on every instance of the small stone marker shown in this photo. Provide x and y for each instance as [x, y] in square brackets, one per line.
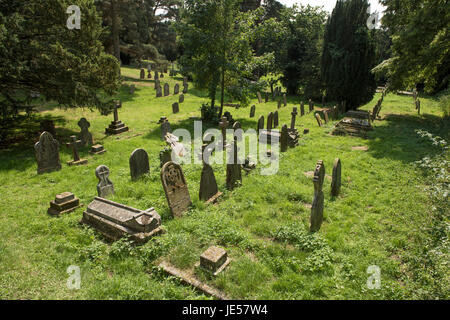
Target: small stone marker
[175, 107]
[311, 105]
[142, 74]
[275, 119]
[284, 99]
[76, 157]
[97, 149]
[104, 187]
[114, 220]
[47, 154]
[214, 260]
[139, 164]
[260, 124]
[176, 89]
[224, 125]
[270, 121]
[85, 135]
[259, 97]
[175, 188]
[336, 178]
[252, 111]
[234, 173]
[284, 138]
[158, 92]
[63, 203]
[302, 109]
[318, 202]
[319, 119]
[209, 191]
[116, 127]
[166, 89]
[181, 98]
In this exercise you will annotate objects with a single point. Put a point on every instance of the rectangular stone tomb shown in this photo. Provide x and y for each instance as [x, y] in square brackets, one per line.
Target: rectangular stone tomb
[63, 203]
[116, 127]
[114, 220]
[214, 259]
[269, 136]
[97, 149]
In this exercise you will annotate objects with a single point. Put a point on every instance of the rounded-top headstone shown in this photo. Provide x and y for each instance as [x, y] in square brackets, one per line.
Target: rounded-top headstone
[139, 164]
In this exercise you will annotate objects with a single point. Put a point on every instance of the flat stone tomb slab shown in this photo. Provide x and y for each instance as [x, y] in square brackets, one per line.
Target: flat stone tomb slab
[64, 203]
[114, 220]
[97, 149]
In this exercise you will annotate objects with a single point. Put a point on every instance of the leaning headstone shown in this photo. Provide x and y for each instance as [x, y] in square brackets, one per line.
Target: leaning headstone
[234, 173]
[181, 98]
[319, 119]
[115, 220]
[311, 105]
[252, 111]
[159, 92]
[275, 119]
[259, 97]
[176, 89]
[260, 124]
[209, 191]
[64, 203]
[284, 138]
[85, 135]
[142, 74]
[116, 127]
[104, 187]
[302, 109]
[336, 178]
[318, 202]
[47, 153]
[175, 188]
[77, 161]
[165, 129]
[166, 89]
[270, 121]
[175, 107]
[284, 99]
[139, 164]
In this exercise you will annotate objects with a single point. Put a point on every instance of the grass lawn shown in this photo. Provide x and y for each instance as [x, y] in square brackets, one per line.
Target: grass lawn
[378, 219]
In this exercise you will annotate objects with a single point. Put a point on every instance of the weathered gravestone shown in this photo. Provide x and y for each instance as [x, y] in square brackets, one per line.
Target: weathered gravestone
[76, 157]
[165, 128]
[115, 220]
[47, 154]
[116, 126]
[259, 97]
[166, 89]
[302, 109]
[85, 135]
[159, 92]
[284, 138]
[336, 178]
[319, 119]
[63, 203]
[185, 88]
[142, 74]
[157, 84]
[209, 191]
[270, 121]
[176, 89]
[252, 111]
[181, 98]
[224, 125]
[260, 124]
[104, 187]
[175, 107]
[311, 105]
[139, 164]
[318, 202]
[214, 260]
[325, 115]
[175, 188]
[275, 119]
[293, 135]
[234, 173]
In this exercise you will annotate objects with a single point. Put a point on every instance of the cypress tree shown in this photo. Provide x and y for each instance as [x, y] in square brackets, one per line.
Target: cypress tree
[348, 54]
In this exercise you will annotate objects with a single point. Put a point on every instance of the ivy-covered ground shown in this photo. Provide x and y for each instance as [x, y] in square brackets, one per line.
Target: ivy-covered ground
[392, 211]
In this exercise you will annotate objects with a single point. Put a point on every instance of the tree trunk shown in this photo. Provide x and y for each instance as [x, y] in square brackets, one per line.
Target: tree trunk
[115, 29]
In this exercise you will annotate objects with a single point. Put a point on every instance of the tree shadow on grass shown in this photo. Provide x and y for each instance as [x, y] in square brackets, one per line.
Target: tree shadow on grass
[398, 139]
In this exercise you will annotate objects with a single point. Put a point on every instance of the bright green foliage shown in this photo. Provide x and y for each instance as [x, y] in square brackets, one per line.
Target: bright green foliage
[348, 55]
[421, 43]
[39, 53]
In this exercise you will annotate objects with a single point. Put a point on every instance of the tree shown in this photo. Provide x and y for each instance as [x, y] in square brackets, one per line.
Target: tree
[215, 37]
[348, 54]
[38, 53]
[421, 35]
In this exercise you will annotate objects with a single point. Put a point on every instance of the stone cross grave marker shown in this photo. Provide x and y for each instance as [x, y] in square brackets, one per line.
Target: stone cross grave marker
[293, 116]
[85, 135]
[175, 188]
[47, 153]
[336, 178]
[234, 173]
[139, 164]
[318, 202]
[116, 127]
[104, 187]
[224, 125]
[76, 157]
[252, 111]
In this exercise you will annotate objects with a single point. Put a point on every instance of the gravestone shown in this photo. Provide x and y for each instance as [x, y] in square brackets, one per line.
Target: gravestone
[252, 111]
[279, 104]
[97, 149]
[64, 203]
[319, 119]
[275, 119]
[116, 126]
[142, 74]
[302, 109]
[166, 89]
[181, 98]
[176, 89]
[270, 121]
[47, 154]
[318, 202]
[139, 164]
[76, 157]
[336, 178]
[165, 129]
[104, 187]
[115, 220]
[209, 191]
[284, 99]
[260, 124]
[185, 81]
[234, 173]
[259, 97]
[85, 135]
[185, 88]
[325, 115]
[214, 260]
[157, 84]
[175, 107]
[311, 105]
[175, 188]
[224, 125]
[159, 92]
[165, 156]
[284, 138]
[293, 116]
[149, 75]
[293, 134]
